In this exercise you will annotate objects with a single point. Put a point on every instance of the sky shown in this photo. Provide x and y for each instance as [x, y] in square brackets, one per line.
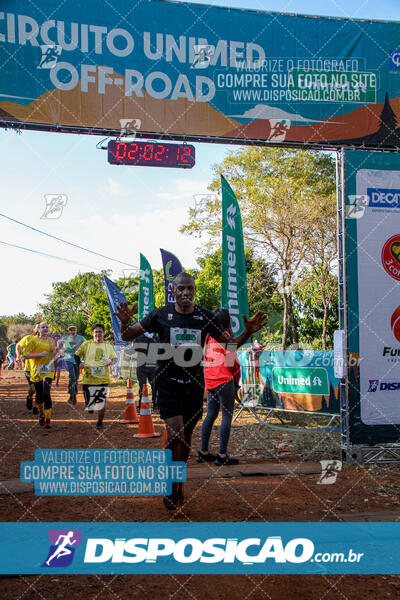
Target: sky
[115, 210]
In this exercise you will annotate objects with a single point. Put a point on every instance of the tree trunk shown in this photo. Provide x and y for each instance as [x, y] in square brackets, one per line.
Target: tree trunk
[325, 320]
[293, 324]
[284, 332]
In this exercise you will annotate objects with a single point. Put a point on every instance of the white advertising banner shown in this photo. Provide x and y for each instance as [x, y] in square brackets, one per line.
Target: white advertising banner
[377, 214]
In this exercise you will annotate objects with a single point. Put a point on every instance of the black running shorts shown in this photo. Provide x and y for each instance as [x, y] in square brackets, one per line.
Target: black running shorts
[186, 399]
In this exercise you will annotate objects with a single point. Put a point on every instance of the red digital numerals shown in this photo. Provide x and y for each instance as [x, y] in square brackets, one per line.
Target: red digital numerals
[147, 153]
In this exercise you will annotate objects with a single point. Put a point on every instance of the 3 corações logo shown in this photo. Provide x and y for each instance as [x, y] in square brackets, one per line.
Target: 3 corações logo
[391, 256]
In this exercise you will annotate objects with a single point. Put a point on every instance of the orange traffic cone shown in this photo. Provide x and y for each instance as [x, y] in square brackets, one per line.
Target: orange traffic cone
[164, 440]
[146, 427]
[130, 406]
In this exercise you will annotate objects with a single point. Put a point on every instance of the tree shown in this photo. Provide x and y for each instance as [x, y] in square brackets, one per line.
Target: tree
[16, 331]
[261, 284]
[208, 281]
[15, 327]
[278, 191]
[83, 301]
[3, 333]
[317, 319]
[321, 255]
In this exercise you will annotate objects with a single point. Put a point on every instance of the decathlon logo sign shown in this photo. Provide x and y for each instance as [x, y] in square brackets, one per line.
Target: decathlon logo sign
[191, 550]
[383, 198]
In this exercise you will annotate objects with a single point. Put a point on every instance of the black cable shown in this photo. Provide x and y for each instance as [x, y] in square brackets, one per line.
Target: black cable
[68, 260]
[66, 242]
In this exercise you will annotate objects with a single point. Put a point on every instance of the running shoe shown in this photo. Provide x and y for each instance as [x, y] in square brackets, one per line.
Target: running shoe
[70, 400]
[29, 402]
[99, 425]
[42, 421]
[202, 458]
[225, 461]
[47, 425]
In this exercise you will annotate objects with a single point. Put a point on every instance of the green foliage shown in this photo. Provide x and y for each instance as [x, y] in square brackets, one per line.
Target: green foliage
[83, 301]
[159, 287]
[308, 305]
[287, 204]
[3, 333]
[20, 319]
[260, 282]
[16, 331]
[14, 327]
[208, 281]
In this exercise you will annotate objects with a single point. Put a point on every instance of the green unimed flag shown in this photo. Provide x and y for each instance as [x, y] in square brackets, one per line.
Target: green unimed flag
[146, 291]
[234, 283]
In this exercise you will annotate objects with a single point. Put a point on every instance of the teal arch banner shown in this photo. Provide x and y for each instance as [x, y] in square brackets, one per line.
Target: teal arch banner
[200, 71]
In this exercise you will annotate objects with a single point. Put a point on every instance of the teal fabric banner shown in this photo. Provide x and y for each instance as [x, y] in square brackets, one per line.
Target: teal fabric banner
[146, 288]
[234, 282]
[292, 380]
[199, 71]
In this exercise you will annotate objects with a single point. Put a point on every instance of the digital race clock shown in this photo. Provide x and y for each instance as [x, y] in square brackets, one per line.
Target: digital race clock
[151, 154]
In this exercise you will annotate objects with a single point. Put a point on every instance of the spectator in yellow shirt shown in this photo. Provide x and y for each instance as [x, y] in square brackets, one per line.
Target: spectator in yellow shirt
[41, 352]
[96, 359]
[27, 368]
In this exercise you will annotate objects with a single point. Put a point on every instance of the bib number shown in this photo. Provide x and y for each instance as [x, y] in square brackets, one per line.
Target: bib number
[44, 369]
[96, 371]
[185, 337]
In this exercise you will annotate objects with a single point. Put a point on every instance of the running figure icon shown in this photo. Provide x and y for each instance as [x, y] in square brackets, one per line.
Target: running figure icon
[62, 549]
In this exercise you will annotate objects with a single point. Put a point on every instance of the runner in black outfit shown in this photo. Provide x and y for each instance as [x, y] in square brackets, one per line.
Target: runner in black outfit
[146, 372]
[179, 376]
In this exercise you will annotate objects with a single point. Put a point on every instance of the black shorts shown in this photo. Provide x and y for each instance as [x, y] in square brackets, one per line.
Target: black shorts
[28, 376]
[174, 398]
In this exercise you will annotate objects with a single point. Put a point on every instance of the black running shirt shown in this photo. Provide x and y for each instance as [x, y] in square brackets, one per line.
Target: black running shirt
[186, 334]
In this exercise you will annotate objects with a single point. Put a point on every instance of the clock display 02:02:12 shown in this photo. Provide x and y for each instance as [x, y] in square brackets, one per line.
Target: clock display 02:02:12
[151, 154]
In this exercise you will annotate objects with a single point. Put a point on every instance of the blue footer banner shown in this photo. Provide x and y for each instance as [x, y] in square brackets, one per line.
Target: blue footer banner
[206, 548]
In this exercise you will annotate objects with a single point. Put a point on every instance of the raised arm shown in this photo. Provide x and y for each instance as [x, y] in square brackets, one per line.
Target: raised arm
[124, 314]
[250, 326]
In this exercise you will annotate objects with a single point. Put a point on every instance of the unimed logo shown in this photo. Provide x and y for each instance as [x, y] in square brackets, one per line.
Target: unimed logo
[190, 550]
[395, 323]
